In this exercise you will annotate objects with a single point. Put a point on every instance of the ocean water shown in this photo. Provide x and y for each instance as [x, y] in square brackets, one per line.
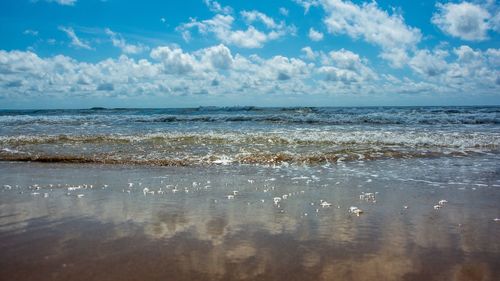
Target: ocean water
[250, 194]
[247, 135]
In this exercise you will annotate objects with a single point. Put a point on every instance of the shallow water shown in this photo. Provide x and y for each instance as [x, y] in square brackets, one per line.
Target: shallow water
[189, 229]
[247, 135]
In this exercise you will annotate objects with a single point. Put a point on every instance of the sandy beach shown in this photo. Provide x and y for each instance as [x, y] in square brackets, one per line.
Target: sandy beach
[115, 222]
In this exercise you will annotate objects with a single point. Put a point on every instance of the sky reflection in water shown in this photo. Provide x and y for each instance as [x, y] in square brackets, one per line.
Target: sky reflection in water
[196, 233]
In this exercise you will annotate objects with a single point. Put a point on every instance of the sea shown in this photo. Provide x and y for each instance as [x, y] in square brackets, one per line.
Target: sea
[250, 193]
[247, 135]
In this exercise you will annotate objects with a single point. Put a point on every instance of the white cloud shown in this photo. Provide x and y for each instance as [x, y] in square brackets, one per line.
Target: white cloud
[429, 64]
[219, 57]
[397, 57]
[346, 59]
[118, 41]
[283, 11]
[376, 26]
[315, 35]
[250, 38]
[222, 27]
[30, 32]
[62, 2]
[215, 70]
[309, 53]
[75, 41]
[174, 60]
[253, 16]
[493, 56]
[462, 70]
[369, 22]
[495, 22]
[216, 7]
[464, 20]
[346, 67]
[307, 4]
[283, 68]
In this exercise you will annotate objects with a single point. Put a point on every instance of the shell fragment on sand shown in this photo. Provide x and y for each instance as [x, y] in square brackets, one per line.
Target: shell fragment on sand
[440, 204]
[325, 204]
[355, 210]
[368, 196]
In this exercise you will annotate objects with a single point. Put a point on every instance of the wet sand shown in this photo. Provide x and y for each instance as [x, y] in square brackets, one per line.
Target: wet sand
[98, 222]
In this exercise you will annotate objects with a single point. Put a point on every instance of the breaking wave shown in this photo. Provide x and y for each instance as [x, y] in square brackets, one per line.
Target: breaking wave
[291, 147]
[246, 135]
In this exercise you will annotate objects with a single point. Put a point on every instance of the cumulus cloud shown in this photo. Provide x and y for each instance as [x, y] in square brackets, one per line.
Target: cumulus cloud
[429, 64]
[222, 27]
[464, 20]
[216, 7]
[493, 56]
[369, 22]
[309, 53]
[218, 57]
[283, 68]
[346, 67]
[372, 24]
[75, 41]
[118, 41]
[174, 60]
[315, 35]
[397, 57]
[215, 70]
[462, 69]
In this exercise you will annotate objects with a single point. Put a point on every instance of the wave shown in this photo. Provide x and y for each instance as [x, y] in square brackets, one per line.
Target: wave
[264, 158]
[410, 138]
[271, 119]
[293, 115]
[273, 147]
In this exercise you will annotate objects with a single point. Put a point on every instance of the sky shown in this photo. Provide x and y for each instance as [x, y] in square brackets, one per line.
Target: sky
[118, 53]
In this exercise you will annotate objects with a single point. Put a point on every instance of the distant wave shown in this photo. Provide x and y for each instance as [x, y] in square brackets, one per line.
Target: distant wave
[271, 119]
[409, 138]
[330, 120]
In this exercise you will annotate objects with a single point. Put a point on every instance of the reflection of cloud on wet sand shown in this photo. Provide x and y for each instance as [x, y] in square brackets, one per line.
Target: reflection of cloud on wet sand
[471, 271]
[209, 237]
[165, 225]
[380, 267]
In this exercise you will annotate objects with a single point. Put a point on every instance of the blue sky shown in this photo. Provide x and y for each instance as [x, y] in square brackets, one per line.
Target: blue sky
[83, 53]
